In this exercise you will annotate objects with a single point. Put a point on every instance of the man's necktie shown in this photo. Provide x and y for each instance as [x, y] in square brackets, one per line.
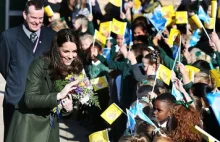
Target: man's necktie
[33, 37]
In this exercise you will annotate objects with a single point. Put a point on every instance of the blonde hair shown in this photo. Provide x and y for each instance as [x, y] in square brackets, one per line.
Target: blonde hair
[202, 77]
[86, 36]
[197, 54]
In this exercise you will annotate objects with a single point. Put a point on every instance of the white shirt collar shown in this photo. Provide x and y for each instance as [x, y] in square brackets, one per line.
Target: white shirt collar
[117, 48]
[96, 63]
[28, 33]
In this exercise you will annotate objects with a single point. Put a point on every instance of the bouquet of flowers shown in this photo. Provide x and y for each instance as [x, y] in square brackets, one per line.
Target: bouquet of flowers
[83, 93]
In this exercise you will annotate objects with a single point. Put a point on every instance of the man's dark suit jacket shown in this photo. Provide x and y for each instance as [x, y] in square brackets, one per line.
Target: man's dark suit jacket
[16, 55]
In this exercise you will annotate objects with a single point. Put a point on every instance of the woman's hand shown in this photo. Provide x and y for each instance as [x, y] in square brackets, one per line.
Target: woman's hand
[69, 87]
[67, 103]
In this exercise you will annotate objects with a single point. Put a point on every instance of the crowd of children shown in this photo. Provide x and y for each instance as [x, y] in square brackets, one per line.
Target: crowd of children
[132, 72]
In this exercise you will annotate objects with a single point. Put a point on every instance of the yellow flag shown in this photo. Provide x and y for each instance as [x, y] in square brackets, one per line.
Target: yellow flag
[99, 83]
[48, 11]
[100, 38]
[173, 34]
[218, 12]
[100, 136]
[181, 17]
[136, 4]
[191, 72]
[168, 12]
[196, 19]
[215, 76]
[211, 25]
[214, 6]
[206, 136]
[118, 27]
[105, 28]
[116, 2]
[111, 113]
[164, 74]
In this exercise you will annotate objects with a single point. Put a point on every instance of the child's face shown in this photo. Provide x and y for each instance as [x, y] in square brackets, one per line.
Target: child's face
[77, 24]
[91, 55]
[119, 40]
[161, 110]
[86, 43]
[139, 31]
[148, 68]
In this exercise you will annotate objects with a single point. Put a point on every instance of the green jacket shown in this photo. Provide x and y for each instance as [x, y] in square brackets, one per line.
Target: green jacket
[31, 119]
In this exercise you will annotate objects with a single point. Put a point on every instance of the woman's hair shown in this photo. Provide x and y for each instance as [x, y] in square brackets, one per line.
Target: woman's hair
[141, 39]
[58, 69]
[200, 89]
[84, 20]
[135, 138]
[202, 77]
[186, 119]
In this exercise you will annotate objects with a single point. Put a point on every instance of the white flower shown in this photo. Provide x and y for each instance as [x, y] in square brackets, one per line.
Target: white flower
[85, 99]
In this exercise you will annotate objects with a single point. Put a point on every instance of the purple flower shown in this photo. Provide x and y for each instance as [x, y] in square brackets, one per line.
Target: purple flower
[71, 79]
[78, 90]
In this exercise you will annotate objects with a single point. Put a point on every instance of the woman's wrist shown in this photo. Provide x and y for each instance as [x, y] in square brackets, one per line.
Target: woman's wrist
[59, 96]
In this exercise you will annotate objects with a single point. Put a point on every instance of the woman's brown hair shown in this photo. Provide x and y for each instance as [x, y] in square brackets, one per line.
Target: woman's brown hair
[186, 119]
[57, 68]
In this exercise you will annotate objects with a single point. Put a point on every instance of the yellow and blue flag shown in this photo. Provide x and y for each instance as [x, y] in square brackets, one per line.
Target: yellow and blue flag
[176, 93]
[173, 34]
[203, 15]
[99, 38]
[157, 19]
[197, 21]
[100, 136]
[195, 38]
[99, 83]
[163, 73]
[111, 113]
[105, 28]
[118, 27]
[181, 17]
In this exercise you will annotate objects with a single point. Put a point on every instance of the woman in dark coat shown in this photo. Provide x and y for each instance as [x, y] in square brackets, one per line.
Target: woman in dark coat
[33, 120]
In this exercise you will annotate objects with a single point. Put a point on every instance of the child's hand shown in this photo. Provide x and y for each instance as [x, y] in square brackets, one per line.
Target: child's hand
[122, 15]
[108, 44]
[173, 76]
[94, 52]
[130, 4]
[181, 68]
[124, 50]
[186, 54]
[90, 17]
[215, 39]
[93, 2]
[212, 45]
[179, 85]
[132, 57]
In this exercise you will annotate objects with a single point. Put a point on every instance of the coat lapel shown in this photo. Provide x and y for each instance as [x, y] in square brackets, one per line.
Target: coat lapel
[24, 40]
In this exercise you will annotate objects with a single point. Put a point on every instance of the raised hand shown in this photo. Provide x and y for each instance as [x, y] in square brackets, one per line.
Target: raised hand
[69, 87]
[131, 57]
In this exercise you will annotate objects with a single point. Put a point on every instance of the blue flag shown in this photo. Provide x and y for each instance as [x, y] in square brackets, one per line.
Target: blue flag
[175, 51]
[157, 19]
[195, 38]
[142, 115]
[130, 121]
[203, 15]
[214, 99]
[176, 93]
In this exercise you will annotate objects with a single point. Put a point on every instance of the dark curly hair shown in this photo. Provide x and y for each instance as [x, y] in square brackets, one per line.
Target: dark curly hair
[186, 119]
[57, 68]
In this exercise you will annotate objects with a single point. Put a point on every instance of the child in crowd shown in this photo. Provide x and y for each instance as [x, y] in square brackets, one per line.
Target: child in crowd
[163, 106]
[84, 25]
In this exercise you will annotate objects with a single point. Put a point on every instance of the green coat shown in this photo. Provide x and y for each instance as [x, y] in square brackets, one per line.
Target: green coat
[31, 119]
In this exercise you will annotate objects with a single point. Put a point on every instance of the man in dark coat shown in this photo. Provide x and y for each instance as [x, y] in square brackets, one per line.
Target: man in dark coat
[19, 46]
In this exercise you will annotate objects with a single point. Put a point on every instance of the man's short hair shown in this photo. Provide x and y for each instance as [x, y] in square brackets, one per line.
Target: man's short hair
[36, 3]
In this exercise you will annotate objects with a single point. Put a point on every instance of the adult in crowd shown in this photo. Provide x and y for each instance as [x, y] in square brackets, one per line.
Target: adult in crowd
[19, 46]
